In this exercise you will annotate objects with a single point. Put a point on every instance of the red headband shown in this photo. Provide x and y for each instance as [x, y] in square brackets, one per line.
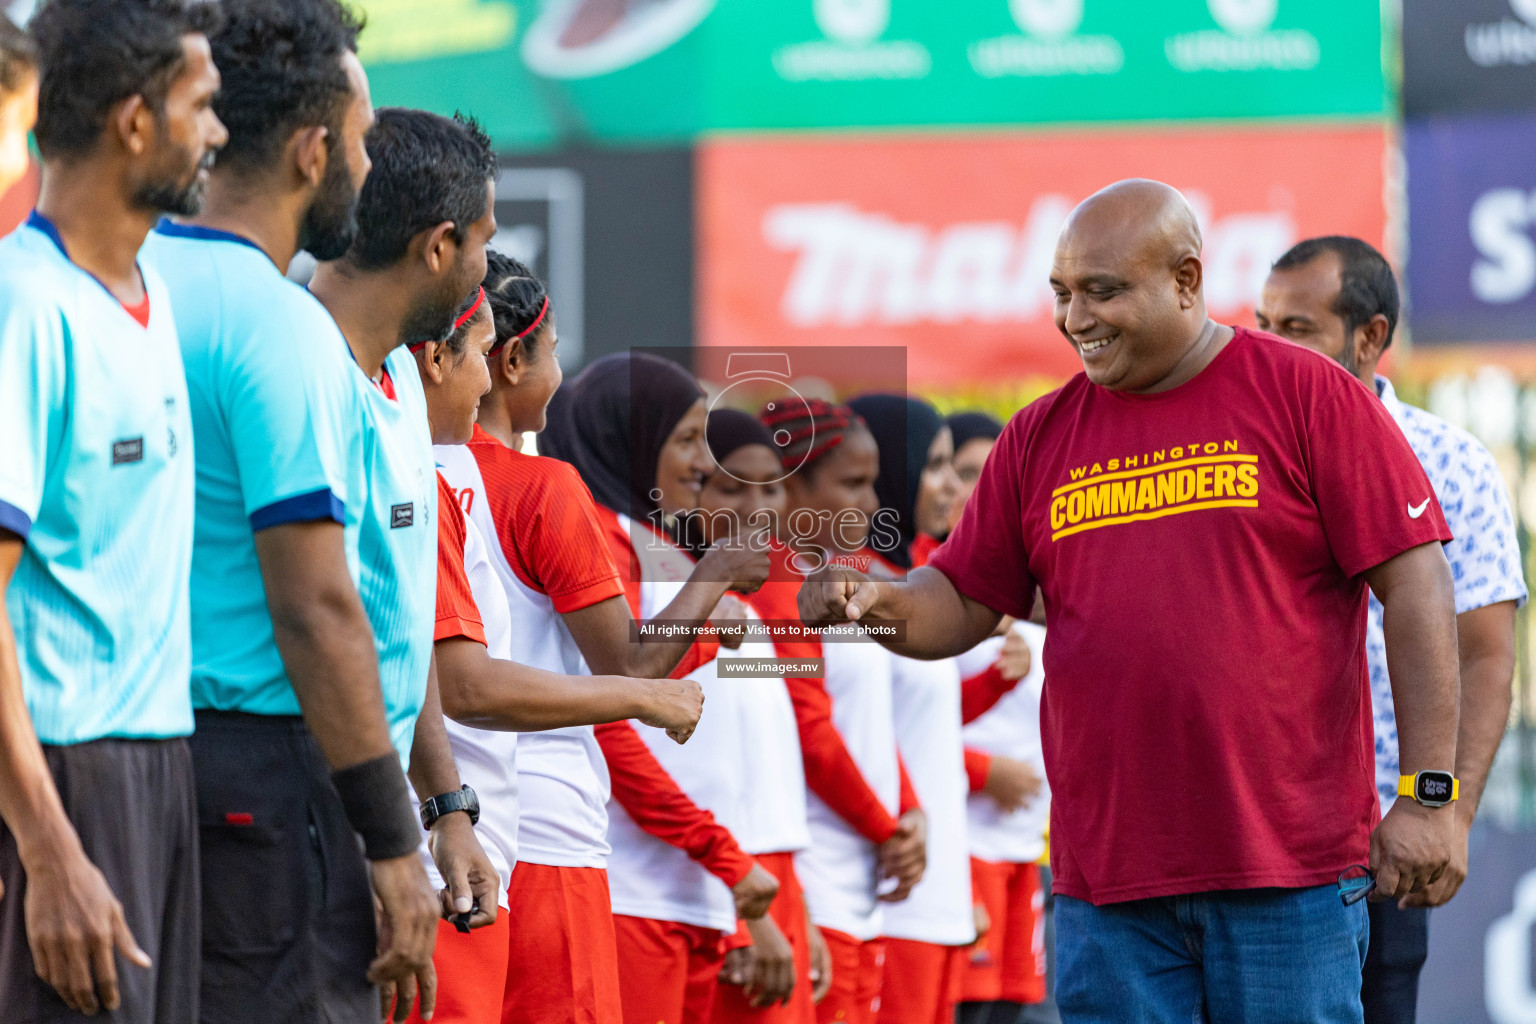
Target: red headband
[473, 308]
[543, 308]
[463, 319]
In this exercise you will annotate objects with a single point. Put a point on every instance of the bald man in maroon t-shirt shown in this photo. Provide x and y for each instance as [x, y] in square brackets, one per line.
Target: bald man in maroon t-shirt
[1203, 509]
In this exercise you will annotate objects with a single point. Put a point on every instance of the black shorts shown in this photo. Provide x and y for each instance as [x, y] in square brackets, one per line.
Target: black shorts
[133, 805]
[288, 927]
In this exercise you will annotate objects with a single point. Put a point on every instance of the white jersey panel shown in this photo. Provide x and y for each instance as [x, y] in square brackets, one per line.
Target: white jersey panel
[925, 697]
[1011, 728]
[562, 776]
[838, 870]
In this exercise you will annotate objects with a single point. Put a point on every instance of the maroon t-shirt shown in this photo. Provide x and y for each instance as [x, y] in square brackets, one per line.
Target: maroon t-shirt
[1206, 719]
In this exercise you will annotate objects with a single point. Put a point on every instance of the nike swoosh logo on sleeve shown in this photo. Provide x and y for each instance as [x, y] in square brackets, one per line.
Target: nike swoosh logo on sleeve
[1415, 512]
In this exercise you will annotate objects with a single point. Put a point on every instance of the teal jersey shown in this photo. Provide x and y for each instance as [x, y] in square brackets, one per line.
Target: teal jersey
[398, 544]
[279, 440]
[97, 479]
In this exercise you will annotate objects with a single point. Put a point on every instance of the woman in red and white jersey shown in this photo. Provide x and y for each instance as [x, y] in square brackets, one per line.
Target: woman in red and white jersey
[767, 974]
[569, 609]
[1007, 815]
[452, 382]
[1009, 806]
[867, 829]
[486, 695]
[676, 877]
[927, 935]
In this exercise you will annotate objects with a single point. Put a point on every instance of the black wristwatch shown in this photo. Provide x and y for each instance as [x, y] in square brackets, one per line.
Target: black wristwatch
[459, 800]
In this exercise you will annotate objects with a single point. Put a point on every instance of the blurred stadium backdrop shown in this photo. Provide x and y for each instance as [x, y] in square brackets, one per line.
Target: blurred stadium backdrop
[894, 172]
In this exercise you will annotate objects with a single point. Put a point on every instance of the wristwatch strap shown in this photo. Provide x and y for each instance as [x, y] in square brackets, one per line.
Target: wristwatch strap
[462, 799]
[1407, 785]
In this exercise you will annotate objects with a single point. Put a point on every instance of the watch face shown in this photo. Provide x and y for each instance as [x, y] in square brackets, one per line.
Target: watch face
[1433, 788]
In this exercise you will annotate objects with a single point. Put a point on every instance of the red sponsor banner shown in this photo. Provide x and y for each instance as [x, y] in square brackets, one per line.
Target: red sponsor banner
[943, 243]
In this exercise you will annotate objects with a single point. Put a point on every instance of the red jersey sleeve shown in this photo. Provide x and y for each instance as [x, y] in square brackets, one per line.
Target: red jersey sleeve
[548, 526]
[909, 800]
[985, 556]
[922, 549]
[622, 548]
[1372, 493]
[457, 614]
[978, 765]
[979, 693]
[704, 650]
[830, 770]
[659, 806]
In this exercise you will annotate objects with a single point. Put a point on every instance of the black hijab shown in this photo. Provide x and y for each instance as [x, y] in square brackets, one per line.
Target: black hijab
[968, 426]
[612, 441]
[904, 428]
[730, 429]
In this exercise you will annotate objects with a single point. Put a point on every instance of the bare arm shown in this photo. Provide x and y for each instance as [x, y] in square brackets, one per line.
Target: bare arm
[29, 803]
[1413, 845]
[1419, 620]
[940, 621]
[326, 642]
[602, 630]
[323, 635]
[73, 920]
[1485, 640]
[489, 693]
[471, 880]
[1486, 648]
[433, 770]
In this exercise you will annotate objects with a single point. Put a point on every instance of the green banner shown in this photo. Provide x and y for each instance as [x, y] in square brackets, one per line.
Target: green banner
[550, 72]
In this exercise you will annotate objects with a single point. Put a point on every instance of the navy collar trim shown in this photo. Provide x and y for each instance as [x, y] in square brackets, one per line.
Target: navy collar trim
[197, 231]
[47, 227]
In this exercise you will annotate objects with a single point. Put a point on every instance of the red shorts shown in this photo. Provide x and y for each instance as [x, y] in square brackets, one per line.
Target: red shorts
[857, 969]
[922, 982]
[788, 912]
[471, 970]
[562, 963]
[1008, 963]
[667, 970]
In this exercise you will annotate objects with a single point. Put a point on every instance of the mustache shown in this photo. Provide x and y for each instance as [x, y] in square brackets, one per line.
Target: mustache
[207, 162]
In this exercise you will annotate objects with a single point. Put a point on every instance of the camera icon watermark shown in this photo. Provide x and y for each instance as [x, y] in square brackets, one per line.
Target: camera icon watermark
[812, 490]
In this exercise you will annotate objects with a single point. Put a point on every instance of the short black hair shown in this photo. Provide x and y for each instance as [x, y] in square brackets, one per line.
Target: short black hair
[518, 299]
[280, 61]
[1368, 287]
[93, 54]
[427, 169]
[18, 55]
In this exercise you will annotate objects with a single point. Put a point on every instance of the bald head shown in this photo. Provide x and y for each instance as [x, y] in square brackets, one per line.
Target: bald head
[1127, 278]
[1138, 216]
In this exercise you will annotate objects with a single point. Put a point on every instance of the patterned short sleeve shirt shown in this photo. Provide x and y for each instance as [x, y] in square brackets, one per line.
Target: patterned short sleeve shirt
[1484, 557]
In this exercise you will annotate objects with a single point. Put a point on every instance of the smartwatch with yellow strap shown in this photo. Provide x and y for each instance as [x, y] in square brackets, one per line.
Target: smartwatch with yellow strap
[1429, 788]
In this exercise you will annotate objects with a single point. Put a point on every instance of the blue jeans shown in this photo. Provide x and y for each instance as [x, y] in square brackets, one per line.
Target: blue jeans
[1249, 956]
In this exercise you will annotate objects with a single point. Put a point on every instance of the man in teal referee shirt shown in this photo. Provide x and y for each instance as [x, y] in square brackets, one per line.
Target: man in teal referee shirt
[98, 851]
[298, 751]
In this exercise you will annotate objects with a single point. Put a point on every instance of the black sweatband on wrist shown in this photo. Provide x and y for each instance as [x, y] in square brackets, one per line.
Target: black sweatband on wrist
[378, 805]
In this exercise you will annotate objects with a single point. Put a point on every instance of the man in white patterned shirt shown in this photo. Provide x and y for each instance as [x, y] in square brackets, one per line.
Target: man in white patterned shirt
[1337, 296]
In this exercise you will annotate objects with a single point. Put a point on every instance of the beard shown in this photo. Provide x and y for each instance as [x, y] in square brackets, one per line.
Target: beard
[1347, 357]
[330, 223]
[432, 319]
[180, 194]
